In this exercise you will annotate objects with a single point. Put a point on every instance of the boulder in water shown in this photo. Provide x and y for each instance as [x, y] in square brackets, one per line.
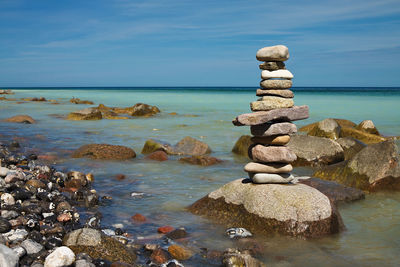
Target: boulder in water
[104, 151]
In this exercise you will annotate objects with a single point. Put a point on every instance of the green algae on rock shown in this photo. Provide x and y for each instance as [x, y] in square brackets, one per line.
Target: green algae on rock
[104, 151]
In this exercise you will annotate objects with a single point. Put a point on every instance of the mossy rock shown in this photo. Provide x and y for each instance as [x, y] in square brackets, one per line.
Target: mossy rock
[364, 137]
[341, 122]
[152, 145]
[242, 145]
[85, 114]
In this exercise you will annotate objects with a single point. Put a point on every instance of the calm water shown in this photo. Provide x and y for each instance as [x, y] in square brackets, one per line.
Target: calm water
[373, 227]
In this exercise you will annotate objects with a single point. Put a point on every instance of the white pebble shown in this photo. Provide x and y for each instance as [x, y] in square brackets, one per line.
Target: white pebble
[62, 256]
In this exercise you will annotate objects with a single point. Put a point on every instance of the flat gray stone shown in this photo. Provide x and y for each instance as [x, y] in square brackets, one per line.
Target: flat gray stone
[267, 154]
[31, 246]
[273, 53]
[282, 93]
[276, 84]
[269, 129]
[271, 178]
[282, 114]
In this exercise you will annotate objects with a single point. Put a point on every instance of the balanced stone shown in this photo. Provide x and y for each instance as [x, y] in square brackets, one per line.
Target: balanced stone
[282, 114]
[276, 84]
[271, 102]
[272, 65]
[271, 178]
[282, 93]
[255, 167]
[276, 74]
[271, 140]
[267, 154]
[273, 53]
[268, 129]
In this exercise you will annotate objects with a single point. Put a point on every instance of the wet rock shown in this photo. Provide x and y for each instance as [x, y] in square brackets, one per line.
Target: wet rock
[21, 119]
[78, 101]
[141, 109]
[350, 146]
[179, 252]
[158, 156]
[241, 146]
[341, 122]
[138, 218]
[152, 145]
[31, 246]
[201, 160]
[334, 191]
[363, 136]
[104, 151]
[159, 256]
[62, 256]
[238, 233]
[8, 257]
[315, 151]
[328, 128]
[191, 146]
[5, 226]
[375, 167]
[177, 234]
[271, 208]
[368, 126]
[98, 246]
[235, 258]
[165, 229]
[85, 114]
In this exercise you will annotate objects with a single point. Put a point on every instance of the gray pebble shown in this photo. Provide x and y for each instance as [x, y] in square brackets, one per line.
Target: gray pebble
[31, 246]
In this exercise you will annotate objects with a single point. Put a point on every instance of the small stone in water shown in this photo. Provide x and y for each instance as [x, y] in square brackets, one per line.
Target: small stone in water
[137, 194]
[165, 229]
[138, 218]
[177, 234]
[237, 232]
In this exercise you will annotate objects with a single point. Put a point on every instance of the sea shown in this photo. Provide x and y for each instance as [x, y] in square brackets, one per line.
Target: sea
[165, 189]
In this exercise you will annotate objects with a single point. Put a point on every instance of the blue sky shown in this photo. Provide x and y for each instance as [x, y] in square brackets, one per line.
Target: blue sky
[196, 43]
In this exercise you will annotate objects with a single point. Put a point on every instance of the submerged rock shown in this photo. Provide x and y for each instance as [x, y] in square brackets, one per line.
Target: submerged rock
[21, 119]
[314, 151]
[152, 145]
[201, 160]
[375, 167]
[104, 151]
[295, 210]
[85, 114]
[78, 101]
[236, 258]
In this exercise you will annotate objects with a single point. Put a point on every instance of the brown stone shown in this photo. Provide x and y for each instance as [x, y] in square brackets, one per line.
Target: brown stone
[104, 151]
[282, 93]
[201, 160]
[276, 84]
[138, 218]
[271, 140]
[159, 256]
[272, 129]
[21, 119]
[165, 229]
[85, 114]
[191, 146]
[158, 156]
[179, 253]
[272, 65]
[35, 183]
[282, 114]
[267, 154]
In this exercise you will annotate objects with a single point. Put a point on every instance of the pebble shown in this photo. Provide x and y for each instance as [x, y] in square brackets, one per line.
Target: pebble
[263, 154]
[238, 232]
[271, 178]
[16, 235]
[7, 199]
[179, 252]
[165, 229]
[8, 257]
[177, 233]
[4, 171]
[84, 263]
[31, 246]
[62, 256]
[5, 225]
[138, 217]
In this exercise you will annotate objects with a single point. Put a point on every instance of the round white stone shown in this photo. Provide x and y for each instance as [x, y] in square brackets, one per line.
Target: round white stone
[62, 256]
[283, 74]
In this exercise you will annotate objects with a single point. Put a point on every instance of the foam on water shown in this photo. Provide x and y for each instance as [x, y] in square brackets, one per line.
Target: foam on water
[168, 187]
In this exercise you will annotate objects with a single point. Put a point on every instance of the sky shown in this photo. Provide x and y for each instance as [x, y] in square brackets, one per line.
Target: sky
[196, 43]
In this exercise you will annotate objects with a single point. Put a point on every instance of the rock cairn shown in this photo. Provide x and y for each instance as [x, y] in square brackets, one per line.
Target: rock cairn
[271, 120]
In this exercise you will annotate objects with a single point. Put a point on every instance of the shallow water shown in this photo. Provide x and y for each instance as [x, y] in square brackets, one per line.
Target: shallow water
[372, 224]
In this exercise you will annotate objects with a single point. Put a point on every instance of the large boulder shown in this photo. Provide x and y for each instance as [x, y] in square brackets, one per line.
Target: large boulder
[21, 119]
[98, 245]
[375, 167]
[341, 122]
[350, 146]
[191, 146]
[334, 191]
[241, 146]
[294, 210]
[104, 151]
[85, 114]
[138, 109]
[314, 151]
[368, 126]
[328, 128]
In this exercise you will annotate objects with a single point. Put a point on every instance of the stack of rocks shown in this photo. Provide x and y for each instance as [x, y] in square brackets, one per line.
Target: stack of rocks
[270, 121]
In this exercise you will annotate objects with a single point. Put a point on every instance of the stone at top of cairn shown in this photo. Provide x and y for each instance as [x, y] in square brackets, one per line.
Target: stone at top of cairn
[270, 121]
[273, 53]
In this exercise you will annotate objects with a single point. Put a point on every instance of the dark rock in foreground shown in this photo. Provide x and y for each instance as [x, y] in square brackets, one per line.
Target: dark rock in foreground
[104, 151]
[376, 167]
[294, 210]
[334, 191]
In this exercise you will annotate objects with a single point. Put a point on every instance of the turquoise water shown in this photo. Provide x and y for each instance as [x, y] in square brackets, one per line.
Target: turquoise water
[206, 114]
